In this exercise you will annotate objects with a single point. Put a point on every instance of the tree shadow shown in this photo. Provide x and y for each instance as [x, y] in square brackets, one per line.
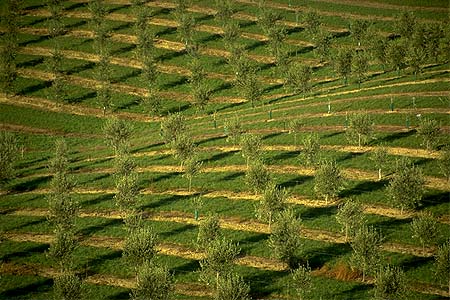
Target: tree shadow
[348, 156]
[340, 34]
[255, 45]
[123, 49]
[92, 265]
[91, 229]
[210, 38]
[221, 155]
[415, 262]
[127, 75]
[316, 212]
[222, 86]
[83, 97]
[251, 241]
[272, 135]
[317, 258]
[129, 104]
[25, 253]
[116, 8]
[211, 139]
[173, 83]
[24, 291]
[364, 187]
[161, 202]
[295, 181]
[285, 155]
[177, 231]
[232, 176]
[166, 31]
[31, 63]
[34, 40]
[387, 225]
[122, 26]
[98, 200]
[30, 185]
[246, 23]
[435, 198]
[175, 109]
[273, 87]
[77, 24]
[228, 106]
[188, 267]
[396, 136]
[35, 87]
[261, 283]
[357, 292]
[87, 65]
[119, 295]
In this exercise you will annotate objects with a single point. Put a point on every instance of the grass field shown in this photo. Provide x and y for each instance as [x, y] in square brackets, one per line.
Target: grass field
[38, 120]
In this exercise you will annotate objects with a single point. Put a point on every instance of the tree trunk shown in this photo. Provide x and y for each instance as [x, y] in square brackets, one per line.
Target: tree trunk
[379, 173]
[190, 183]
[326, 199]
[346, 233]
[359, 140]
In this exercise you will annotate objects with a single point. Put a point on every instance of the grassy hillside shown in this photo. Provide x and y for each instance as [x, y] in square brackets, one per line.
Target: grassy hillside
[395, 101]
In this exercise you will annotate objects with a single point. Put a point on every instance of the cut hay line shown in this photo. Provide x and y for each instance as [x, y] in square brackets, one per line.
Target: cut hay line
[43, 131]
[326, 94]
[47, 105]
[188, 289]
[121, 88]
[244, 196]
[231, 223]
[175, 46]
[381, 5]
[322, 12]
[350, 173]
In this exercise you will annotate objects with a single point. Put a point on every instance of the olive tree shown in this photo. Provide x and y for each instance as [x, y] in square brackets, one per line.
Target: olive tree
[360, 128]
[172, 126]
[272, 202]
[117, 133]
[153, 282]
[366, 250]
[8, 154]
[328, 180]
[62, 208]
[395, 54]
[406, 186]
[350, 216]
[295, 126]
[343, 63]
[186, 23]
[224, 10]
[301, 280]
[257, 177]
[298, 78]
[442, 263]
[424, 228]
[428, 130]
[68, 286]
[127, 187]
[140, 246]
[62, 248]
[192, 166]
[284, 240]
[251, 147]
[444, 162]
[185, 149]
[323, 42]
[378, 46]
[406, 24]
[233, 129]
[208, 231]
[360, 65]
[390, 283]
[200, 90]
[312, 22]
[359, 30]
[379, 157]
[231, 287]
[9, 44]
[218, 262]
[310, 153]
